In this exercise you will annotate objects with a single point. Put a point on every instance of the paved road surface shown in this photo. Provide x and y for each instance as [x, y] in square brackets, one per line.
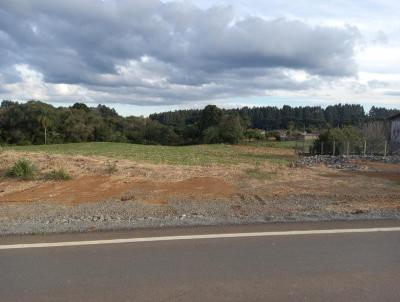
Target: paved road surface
[312, 267]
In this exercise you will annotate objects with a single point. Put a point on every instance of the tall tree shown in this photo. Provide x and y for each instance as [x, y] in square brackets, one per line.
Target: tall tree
[45, 123]
[210, 116]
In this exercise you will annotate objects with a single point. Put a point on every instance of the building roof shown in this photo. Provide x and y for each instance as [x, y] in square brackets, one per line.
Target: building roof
[393, 117]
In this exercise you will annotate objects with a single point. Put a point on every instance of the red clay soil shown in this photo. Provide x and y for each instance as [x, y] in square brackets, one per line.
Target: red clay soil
[101, 188]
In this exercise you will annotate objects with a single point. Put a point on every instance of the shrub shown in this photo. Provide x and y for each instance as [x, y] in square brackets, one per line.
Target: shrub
[273, 134]
[341, 136]
[57, 174]
[259, 174]
[111, 168]
[22, 169]
[253, 134]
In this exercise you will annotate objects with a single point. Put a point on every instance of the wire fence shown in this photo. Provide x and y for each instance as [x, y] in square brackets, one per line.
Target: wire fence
[344, 147]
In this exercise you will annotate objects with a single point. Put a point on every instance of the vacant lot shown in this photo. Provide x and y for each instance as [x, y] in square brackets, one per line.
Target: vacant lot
[119, 185]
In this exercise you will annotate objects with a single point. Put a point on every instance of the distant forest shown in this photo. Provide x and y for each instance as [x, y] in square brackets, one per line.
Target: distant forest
[36, 122]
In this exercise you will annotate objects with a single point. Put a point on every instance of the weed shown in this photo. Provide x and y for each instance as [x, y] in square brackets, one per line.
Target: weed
[57, 174]
[22, 169]
[256, 173]
[111, 168]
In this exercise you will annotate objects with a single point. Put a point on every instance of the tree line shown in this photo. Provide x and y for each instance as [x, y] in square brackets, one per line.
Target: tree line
[272, 118]
[35, 122]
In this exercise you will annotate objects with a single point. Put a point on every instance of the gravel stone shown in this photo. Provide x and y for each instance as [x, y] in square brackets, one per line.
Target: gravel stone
[39, 218]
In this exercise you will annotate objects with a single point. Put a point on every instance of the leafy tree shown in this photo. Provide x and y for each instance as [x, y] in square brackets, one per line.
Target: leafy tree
[290, 128]
[231, 130]
[379, 113]
[339, 137]
[45, 123]
[210, 116]
[212, 135]
[80, 106]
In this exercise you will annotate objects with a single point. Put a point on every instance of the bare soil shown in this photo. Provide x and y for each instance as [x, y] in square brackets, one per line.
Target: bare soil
[99, 188]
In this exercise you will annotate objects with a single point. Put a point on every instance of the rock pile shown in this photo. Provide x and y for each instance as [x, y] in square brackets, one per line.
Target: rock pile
[344, 162]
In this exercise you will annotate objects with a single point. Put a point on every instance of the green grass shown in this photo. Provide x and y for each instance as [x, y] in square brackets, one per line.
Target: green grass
[57, 175]
[185, 155]
[256, 173]
[280, 144]
[22, 169]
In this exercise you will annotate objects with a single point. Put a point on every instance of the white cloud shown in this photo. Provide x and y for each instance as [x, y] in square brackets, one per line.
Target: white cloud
[182, 53]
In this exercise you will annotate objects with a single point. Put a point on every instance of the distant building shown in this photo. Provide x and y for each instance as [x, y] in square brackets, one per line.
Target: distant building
[395, 133]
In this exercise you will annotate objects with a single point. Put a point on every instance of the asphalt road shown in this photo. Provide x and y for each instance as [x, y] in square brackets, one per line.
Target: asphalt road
[312, 267]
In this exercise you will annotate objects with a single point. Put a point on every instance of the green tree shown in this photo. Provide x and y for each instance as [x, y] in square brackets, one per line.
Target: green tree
[210, 116]
[340, 138]
[45, 122]
[231, 130]
[212, 135]
[290, 128]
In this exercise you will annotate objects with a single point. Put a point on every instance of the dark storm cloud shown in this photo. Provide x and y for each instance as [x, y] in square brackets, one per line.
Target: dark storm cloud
[147, 49]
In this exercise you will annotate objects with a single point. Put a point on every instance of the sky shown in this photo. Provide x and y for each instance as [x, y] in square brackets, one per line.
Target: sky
[144, 56]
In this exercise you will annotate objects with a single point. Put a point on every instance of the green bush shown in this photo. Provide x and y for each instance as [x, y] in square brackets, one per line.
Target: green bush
[273, 134]
[341, 136]
[22, 169]
[253, 134]
[57, 174]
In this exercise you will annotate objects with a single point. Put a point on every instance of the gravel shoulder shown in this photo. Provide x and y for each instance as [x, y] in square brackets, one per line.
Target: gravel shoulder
[43, 218]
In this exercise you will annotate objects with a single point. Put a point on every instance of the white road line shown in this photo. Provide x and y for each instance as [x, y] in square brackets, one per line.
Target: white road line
[194, 237]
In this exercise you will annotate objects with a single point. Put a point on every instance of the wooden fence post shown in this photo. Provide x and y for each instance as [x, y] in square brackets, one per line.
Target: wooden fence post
[385, 149]
[365, 148]
[334, 147]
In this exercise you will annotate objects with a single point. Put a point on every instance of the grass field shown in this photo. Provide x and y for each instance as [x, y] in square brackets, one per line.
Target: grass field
[184, 155]
[281, 144]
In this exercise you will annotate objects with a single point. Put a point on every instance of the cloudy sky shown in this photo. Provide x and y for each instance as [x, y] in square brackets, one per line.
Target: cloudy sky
[143, 56]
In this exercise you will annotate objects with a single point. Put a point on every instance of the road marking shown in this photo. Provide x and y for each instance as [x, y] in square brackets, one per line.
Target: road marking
[196, 237]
